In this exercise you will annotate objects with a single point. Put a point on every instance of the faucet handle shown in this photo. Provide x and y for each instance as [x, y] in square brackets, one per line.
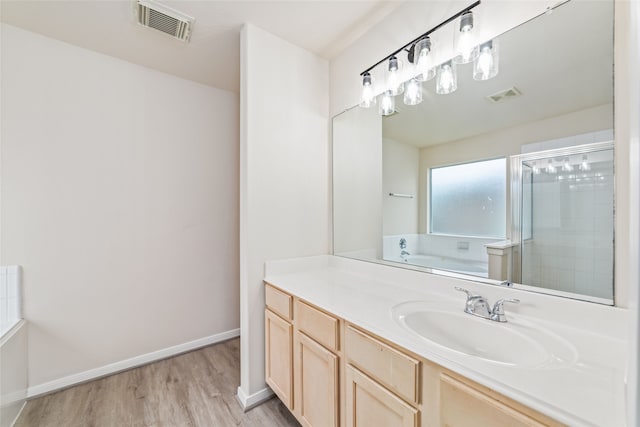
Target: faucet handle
[466, 291]
[497, 314]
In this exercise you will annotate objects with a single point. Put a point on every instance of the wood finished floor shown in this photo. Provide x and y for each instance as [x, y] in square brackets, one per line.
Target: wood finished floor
[193, 389]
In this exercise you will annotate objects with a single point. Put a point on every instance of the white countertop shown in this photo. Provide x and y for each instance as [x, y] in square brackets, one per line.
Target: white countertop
[588, 392]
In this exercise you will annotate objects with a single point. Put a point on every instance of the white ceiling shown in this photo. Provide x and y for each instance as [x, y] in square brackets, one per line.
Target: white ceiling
[561, 62]
[213, 55]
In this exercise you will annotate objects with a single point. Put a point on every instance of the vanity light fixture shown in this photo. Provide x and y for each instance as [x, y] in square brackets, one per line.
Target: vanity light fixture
[566, 166]
[466, 49]
[394, 76]
[550, 168]
[418, 51]
[387, 103]
[413, 92]
[368, 98]
[446, 80]
[485, 66]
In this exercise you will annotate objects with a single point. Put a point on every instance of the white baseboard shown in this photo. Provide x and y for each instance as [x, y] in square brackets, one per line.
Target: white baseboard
[251, 401]
[123, 365]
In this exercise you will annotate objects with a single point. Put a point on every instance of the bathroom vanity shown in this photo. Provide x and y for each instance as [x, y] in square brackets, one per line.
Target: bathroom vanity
[341, 350]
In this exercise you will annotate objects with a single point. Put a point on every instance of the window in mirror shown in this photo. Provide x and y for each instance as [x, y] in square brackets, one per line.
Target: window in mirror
[469, 199]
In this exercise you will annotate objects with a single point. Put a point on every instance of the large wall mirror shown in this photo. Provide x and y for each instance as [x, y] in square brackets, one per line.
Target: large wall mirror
[508, 180]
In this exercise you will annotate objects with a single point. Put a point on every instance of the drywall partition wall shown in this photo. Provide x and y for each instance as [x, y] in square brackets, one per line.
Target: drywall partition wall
[407, 22]
[400, 176]
[120, 201]
[284, 177]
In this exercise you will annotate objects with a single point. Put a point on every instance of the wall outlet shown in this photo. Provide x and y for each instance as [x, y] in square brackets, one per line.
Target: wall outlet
[463, 246]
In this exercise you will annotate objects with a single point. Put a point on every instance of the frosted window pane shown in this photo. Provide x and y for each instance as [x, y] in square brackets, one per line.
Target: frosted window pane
[469, 199]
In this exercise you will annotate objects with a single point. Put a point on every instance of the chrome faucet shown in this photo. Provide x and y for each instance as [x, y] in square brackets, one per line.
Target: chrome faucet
[403, 243]
[478, 305]
[403, 246]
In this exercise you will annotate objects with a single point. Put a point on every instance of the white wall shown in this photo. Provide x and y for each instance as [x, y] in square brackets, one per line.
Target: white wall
[627, 163]
[400, 174]
[120, 201]
[284, 176]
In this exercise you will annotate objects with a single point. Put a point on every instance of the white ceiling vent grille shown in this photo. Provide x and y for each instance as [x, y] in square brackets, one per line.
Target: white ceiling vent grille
[163, 18]
[504, 95]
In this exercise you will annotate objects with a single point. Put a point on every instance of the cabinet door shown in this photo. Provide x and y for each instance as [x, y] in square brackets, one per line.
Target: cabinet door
[317, 383]
[370, 404]
[278, 357]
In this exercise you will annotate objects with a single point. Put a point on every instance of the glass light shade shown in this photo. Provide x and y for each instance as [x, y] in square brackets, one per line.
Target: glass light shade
[550, 167]
[387, 104]
[367, 98]
[566, 165]
[465, 39]
[446, 81]
[394, 76]
[425, 69]
[413, 92]
[485, 66]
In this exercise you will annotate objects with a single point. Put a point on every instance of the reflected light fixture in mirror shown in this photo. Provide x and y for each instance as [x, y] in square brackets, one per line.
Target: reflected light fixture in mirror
[387, 104]
[413, 92]
[368, 98]
[447, 80]
[584, 165]
[485, 66]
[466, 48]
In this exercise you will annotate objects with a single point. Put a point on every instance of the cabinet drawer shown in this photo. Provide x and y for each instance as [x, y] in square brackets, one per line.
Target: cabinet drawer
[393, 369]
[318, 325]
[278, 301]
[462, 404]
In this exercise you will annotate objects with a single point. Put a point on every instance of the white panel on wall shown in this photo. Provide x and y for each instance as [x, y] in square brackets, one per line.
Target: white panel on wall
[122, 207]
[284, 172]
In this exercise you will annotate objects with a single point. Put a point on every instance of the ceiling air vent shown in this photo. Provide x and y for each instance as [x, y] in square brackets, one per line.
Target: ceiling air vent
[165, 19]
[504, 95]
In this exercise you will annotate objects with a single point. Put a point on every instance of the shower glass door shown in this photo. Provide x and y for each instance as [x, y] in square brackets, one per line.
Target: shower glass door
[567, 220]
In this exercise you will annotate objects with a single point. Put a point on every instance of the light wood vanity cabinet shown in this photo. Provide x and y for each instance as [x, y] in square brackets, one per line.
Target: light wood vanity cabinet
[331, 373]
[313, 359]
[279, 345]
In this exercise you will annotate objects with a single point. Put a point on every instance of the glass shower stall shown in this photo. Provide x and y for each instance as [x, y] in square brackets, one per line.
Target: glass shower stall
[563, 220]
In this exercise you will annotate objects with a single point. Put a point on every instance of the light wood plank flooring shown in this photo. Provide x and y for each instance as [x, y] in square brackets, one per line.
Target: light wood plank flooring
[193, 389]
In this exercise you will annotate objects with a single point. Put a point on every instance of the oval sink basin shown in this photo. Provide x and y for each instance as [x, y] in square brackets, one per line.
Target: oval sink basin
[516, 342]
